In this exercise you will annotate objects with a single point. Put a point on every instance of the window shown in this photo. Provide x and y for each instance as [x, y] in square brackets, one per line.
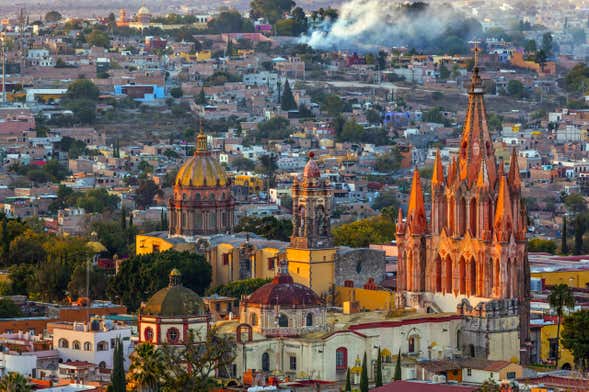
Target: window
[266, 362]
[173, 335]
[63, 343]
[553, 348]
[87, 346]
[225, 258]
[283, 320]
[309, 320]
[112, 343]
[469, 372]
[341, 359]
[76, 345]
[348, 283]
[254, 319]
[271, 263]
[148, 334]
[102, 346]
[510, 375]
[293, 362]
[411, 344]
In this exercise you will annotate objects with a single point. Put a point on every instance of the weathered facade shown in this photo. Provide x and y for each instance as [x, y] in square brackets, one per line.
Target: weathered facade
[473, 251]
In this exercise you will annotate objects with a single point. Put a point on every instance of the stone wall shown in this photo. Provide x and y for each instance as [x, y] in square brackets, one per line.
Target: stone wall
[359, 265]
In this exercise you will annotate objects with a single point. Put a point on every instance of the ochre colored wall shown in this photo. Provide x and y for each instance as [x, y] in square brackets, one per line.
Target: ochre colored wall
[144, 244]
[549, 332]
[575, 278]
[312, 267]
[367, 299]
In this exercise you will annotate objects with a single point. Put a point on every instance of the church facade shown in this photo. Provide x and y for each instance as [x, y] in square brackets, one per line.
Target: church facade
[471, 256]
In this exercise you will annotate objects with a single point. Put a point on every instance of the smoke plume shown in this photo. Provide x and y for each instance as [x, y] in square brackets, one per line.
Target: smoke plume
[365, 24]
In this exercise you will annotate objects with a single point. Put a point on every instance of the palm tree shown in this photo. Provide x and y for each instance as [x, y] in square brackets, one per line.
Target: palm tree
[561, 296]
[14, 382]
[146, 370]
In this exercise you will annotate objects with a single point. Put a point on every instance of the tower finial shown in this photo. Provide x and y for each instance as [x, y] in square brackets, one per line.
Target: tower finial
[476, 56]
[201, 138]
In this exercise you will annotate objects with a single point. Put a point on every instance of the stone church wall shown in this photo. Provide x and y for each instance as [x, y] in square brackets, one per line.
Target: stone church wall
[359, 265]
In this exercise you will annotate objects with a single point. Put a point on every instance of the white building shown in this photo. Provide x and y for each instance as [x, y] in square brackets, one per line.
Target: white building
[91, 342]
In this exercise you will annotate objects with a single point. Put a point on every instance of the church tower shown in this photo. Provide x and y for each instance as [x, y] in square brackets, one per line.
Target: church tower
[311, 254]
[472, 255]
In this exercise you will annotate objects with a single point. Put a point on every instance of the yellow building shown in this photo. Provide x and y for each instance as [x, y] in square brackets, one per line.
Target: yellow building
[255, 184]
[548, 348]
[312, 267]
[571, 277]
[204, 55]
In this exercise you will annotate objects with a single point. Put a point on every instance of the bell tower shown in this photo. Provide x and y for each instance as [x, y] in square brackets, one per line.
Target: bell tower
[311, 255]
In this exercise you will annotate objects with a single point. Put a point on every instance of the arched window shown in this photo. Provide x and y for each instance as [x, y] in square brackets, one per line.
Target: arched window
[254, 319]
[212, 196]
[449, 278]
[438, 269]
[265, 362]
[197, 197]
[63, 343]
[148, 334]
[283, 320]
[102, 365]
[213, 220]
[411, 344]
[462, 270]
[102, 346]
[309, 320]
[198, 220]
[87, 346]
[386, 356]
[173, 335]
[76, 345]
[462, 216]
[341, 359]
[473, 216]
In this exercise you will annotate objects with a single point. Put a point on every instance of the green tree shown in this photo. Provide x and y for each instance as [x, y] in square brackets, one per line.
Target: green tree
[145, 193]
[8, 309]
[141, 276]
[564, 247]
[202, 98]
[83, 89]
[515, 88]
[287, 101]
[444, 72]
[333, 105]
[52, 16]
[117, 376]
[575, 203]
[397, 373]
[98, 38]
[229, 21]
[268, 227]
[389, 161]
[348, 387]
[364, 376]
[361, 233]
[547, 43]
[176, 92]
[386, 200]
[577, 79]
[77, 282]
[14, 382]
[575, 337]
[272, 10]
[243, 164]
[378, 381]
[239, 288]
[579, 227]
[267, 166]
[541, 245]
[531, 46]
[560, 297]
[202, 355]
[147, 368]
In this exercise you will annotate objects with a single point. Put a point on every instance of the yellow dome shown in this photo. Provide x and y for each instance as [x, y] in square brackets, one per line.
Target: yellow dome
[202, 169]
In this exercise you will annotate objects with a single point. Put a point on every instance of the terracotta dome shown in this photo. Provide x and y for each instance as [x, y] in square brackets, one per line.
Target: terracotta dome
[202, 169]
[174, 300]
[284, 292]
